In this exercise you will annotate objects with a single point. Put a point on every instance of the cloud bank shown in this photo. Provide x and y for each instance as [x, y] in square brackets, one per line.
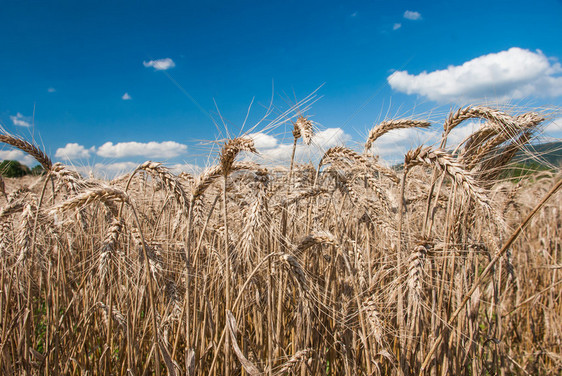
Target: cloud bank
[513, 74]
[152, 149]
[166, 149]
[272, 151]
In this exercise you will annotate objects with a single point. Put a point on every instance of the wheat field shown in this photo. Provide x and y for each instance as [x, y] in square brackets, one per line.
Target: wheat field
[443, 265]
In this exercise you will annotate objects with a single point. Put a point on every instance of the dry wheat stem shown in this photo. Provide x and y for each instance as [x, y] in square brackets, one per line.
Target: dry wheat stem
[487, 270]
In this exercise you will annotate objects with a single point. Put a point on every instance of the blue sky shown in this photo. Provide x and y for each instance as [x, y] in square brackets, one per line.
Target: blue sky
[116, 83]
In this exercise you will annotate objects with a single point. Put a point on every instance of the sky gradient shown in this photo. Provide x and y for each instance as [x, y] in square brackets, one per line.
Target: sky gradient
[116, 83]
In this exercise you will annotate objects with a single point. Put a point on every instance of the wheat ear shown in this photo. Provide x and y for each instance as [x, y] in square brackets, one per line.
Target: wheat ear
[105, 194]
[471, 112]
[29, 148]
[448, 164]
[303, 128]
[231, 149]
[389, 125]
[156, 170]
[341, 153]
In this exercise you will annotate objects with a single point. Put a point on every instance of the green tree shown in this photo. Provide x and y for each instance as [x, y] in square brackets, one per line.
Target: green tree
[13, 169]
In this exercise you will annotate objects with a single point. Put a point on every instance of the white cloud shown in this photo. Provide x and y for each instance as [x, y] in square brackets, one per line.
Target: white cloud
[263, 141]
[184, 167]
[461, 132]
[118, 167]
[396, 26]
[280, 153]
[152, 149]
[513, 74]
[354, 14]
[51, 90]
[411, 15]
[72, 151]
[330, 137]
[20, 120]
[160, 64]
[126, 97]
[321, 141]
[17, 155]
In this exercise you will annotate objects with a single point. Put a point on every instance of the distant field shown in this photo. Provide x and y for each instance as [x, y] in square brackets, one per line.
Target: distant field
[347, 267]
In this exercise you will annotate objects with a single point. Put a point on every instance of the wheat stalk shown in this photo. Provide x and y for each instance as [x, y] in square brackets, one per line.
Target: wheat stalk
[29, 148]
[303, 128]
[296, 269]
[156, 170]
[109, 246]
[295, 360]
[389, 125]
[448, 164]
[341, 153]
[315, 238]
[471, 112]
[231, 149]
[106, 195]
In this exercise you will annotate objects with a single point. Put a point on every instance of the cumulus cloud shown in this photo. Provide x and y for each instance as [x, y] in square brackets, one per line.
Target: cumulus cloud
[72, 151]
[461, 132]
[184, 167]
[412, 15]
[330, 137]
[166, 149]
[20, 120]
[278, 154]
[396, 26]
[126, 97]
[160, 64]
[17, 155]
[513, 74]
[263, 141]
[321, 141]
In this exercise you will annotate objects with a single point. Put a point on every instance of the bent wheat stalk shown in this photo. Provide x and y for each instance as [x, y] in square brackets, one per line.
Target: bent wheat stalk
[389, 125]
[448, 164]
[29, 148]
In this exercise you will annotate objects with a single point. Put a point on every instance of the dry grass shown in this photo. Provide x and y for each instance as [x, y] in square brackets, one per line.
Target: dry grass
[350, 268]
